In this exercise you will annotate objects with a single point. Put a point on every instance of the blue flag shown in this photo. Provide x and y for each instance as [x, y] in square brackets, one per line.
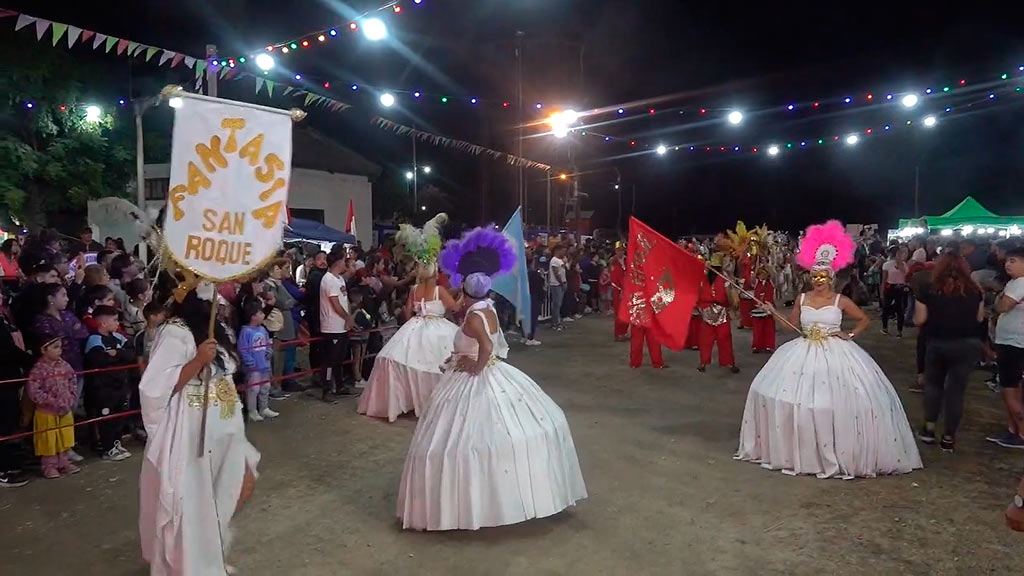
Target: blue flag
[515, 286]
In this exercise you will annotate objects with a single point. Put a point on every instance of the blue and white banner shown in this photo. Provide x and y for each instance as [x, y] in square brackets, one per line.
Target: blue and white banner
[515, 286]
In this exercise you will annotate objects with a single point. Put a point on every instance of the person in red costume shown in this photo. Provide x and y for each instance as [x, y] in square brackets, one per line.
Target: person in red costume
[764, 322]
[715, 327]
[637, 335]
[618, 274]
[745, 276]
[693, 335]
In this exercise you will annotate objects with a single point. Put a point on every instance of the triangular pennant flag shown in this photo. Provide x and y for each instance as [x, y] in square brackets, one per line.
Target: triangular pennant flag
[73, 33]
[98, 40]
[58, 31]
[41, 26]
[200, 66]
[86, 34]
[177, 60]
[223, 71]
[23, 21]
[270, 88]
[138, 49]
[310, 98]
[190, 61]
[165, 57]
[110, 43]
[149, 53]
[288, 89]
[259, 84]
[131, 47]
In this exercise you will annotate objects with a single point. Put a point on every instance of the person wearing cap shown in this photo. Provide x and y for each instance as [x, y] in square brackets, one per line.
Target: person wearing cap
[53, 390]
[108, 392]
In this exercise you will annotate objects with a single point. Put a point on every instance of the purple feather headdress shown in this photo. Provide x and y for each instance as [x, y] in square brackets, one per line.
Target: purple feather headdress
[484, 249]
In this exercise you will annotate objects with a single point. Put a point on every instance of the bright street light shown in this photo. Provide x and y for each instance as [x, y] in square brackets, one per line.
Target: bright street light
[773, 150]
[409, 175]
[661, 149]
[426, 169]
[735, 117]
[387, 99]
[910, 100]
[93, 113]
[175, 102]
[423, 208]
[929, 121]
[852, 139]
[560, 122]
[265, 62]
[374, 29]
[563, 176]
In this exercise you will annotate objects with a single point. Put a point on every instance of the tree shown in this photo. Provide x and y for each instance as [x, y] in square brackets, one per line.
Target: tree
[53, 160]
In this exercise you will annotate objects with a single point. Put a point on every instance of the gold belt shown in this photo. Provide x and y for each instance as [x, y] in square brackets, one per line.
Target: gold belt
[817, 334]
[715, 315]
[222, 393]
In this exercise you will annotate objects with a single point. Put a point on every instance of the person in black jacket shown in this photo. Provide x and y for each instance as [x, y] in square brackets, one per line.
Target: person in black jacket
[313, 279]
[108, 392]
[16, 364]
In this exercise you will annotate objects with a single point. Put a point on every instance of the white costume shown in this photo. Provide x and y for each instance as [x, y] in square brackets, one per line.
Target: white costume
[408, 368]
[822, 406]
[187, 500]
[491, 449]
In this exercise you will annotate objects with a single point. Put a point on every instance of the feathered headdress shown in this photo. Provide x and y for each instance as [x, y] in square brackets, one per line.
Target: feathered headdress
[424, 244]
[481, 250]
[826, 247]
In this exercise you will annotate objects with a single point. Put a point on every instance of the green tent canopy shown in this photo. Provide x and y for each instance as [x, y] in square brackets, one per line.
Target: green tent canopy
[968, 212]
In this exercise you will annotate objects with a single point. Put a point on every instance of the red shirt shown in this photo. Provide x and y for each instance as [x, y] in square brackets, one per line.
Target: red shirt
[764, 291]
[712, 293]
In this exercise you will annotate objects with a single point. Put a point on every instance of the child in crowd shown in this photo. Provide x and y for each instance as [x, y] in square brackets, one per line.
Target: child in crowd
[155, 314]
[139, 294]
[52, 388]
[108, 392]
[605, 284]
[254, 349]
[92, 297]
[359, 336]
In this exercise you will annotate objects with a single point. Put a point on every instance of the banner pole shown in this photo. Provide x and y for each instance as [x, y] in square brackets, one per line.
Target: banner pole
[208, 374]
[771, 309]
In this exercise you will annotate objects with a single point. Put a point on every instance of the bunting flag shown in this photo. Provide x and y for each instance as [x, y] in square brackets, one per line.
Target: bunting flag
[86, 34]
[167, 55]
[58, 31]
[259, 84]
[475, 149]
[41, 27]
[97, 40]
[73, 33]
[23, 21]
[177, 59]
[150, 52]
[660, 285]
[350, 221]
[270, 88]
[110, 41]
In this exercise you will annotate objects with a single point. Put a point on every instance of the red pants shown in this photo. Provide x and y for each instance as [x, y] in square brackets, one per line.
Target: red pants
[764, 333]
[693, 335]
[746, 320]
[621, 328]
[723, 335]
[637, 335]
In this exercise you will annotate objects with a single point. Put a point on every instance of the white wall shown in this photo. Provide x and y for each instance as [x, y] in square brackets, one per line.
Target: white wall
[313, 189]
[317, 190]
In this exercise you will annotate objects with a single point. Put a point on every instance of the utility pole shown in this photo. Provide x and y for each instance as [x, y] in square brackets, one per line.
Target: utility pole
[549, 201]
[917, 185]
[520, 193]
[415, 179]
[211, 73]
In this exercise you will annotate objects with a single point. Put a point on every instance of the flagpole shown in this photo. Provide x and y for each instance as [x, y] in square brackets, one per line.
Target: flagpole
[771, 309]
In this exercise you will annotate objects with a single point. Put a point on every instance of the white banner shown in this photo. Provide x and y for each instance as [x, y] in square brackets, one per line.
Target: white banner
[230, 172]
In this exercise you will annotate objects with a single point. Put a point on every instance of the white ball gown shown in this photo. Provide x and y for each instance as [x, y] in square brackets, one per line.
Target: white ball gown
[822, 406]
[492, 449]
[408, 367]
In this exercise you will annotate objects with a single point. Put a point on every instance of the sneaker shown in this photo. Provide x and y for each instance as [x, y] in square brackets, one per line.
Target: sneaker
[734, 369]
[578, 316]
[255, 417]
[74, 457]
[50, 473]
[926, 436]
[276, 394]
[993, 383]
[947, 443]
[115, 455]
[702, 368]
[1014, 441]
[915, 387]
[268, 413]
[899, 334]
[1004, 436]
[569, 319]
[9, 480]
[70, 470]
[532, 342]
[121, 449]
[885, 332]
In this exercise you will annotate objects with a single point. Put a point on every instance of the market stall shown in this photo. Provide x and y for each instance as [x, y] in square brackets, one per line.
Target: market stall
[968, 217]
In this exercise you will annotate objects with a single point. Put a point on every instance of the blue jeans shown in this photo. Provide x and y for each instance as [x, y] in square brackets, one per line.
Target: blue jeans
[557, 294]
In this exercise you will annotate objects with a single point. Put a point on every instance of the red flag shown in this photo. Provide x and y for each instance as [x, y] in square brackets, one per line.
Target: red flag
[350, 221]
[660, 286]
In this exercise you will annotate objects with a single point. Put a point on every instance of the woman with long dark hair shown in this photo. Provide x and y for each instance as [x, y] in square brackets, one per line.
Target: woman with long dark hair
[188, 498]
[952, 309]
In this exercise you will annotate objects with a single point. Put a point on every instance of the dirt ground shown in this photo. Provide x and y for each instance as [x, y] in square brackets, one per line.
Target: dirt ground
[665, 495]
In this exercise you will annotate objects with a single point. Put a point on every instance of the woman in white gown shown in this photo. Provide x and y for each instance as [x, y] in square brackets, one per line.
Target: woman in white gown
[408, 368]
[492, 448]
[186, 499]
[821, 405]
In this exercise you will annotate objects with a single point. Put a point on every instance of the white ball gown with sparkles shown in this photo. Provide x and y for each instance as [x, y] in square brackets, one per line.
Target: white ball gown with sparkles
[822, 406]
[492, 449]
[408, 367]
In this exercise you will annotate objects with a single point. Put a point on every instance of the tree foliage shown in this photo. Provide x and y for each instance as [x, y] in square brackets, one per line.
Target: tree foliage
[51, 159]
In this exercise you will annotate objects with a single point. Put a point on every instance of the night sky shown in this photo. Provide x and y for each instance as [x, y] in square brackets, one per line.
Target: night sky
[675, 57]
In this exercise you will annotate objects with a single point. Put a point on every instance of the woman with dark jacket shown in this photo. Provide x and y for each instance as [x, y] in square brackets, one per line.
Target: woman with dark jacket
[952, 309]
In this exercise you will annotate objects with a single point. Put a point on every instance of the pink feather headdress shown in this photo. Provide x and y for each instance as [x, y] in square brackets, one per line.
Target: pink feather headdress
[826, 246]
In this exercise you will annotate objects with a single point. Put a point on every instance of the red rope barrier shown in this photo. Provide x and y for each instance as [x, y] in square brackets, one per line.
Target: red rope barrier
[271, 345]
[131, 413]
